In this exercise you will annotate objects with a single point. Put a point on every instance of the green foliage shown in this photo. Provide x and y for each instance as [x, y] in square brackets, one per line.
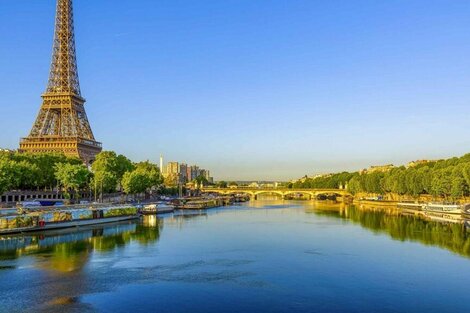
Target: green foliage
[22, 171]
[72, 176]
[143, 177]
[444, 178]
[136, 182]
[153, 172]
[201, 180]
[30, 171]
[109, 168]
[330, 181]
[221, 184]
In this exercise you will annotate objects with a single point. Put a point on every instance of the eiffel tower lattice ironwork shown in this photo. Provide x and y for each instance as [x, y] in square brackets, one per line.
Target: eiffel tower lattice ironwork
[62, 124]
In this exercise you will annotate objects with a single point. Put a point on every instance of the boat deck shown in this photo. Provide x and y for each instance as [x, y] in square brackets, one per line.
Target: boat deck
[69, 224]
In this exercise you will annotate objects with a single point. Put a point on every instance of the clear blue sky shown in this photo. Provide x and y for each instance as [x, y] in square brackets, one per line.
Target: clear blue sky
[254, 89]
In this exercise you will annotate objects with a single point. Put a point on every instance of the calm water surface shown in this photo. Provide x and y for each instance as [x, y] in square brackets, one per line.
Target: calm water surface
[264, 256]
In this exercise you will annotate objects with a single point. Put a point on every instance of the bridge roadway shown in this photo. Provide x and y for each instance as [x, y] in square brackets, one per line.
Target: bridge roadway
[283, 192]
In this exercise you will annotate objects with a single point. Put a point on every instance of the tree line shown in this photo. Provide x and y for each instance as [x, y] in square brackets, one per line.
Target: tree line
[109, 173]
[449, 178]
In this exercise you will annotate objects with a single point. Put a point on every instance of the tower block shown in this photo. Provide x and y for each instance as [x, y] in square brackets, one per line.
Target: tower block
[62, 124]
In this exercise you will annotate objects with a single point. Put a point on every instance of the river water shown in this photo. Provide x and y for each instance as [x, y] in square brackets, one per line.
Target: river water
[262, 256]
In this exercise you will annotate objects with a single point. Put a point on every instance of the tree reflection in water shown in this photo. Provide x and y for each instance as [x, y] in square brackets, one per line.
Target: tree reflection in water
[69, 250]
[452, 236]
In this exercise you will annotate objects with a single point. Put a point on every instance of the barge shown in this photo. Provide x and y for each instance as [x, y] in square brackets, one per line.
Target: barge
[39, 221]
[444, 208]
[201, 203]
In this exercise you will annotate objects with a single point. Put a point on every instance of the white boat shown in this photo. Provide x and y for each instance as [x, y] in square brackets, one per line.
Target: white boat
[164, 208]
[444, 208]
[149, 209]
[156, 208]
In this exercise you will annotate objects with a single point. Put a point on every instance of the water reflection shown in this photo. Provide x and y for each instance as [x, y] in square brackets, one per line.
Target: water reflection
[69, 250]
[182, 218]
[452, 236]
[258, 253]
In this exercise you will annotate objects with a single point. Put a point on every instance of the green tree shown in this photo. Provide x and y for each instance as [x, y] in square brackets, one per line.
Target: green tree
[46, 167]
[108, 169]
[123, 165]
[201, 180]
[441, 183]
[459, 187]
[6, 175]
[222, 184]
[72, 177]
[135, 182]
[152, 171]
[355, 185]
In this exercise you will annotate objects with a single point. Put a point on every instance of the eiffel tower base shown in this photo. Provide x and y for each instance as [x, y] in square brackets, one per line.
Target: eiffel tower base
[72, 146]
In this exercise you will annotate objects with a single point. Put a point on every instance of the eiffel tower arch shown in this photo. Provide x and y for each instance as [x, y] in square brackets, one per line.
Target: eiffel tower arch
[62, 124]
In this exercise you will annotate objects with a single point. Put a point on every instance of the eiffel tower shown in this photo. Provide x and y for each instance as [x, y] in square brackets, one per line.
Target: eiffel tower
[62, 124]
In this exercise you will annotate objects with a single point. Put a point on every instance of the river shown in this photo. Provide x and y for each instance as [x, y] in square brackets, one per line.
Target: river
[262, 256]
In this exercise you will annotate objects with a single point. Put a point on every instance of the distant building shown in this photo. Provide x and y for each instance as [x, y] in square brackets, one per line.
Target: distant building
[193, 172]
[417, 162]
[322, 175]
[378, 168]
[188, 174]
[173, 168]
[183, 173]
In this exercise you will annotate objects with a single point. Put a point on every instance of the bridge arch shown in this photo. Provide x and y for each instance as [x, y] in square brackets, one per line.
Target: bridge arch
[268, 192]
[302, 192]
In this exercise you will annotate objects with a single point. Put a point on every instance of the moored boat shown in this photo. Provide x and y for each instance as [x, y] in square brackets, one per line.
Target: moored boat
[443, 208]
[202, 204]
[149, 209]
[165, 208]
[64, 218]
[156, 208]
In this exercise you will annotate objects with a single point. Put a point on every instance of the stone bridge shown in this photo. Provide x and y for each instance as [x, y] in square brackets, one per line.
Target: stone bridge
[282, 192]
